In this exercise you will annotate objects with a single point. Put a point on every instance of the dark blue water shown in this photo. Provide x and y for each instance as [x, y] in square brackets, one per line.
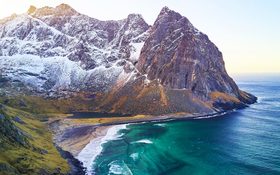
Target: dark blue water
[243, 142]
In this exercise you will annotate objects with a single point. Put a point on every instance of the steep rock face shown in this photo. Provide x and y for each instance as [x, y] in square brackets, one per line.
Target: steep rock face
[180, 70]
[181, 57]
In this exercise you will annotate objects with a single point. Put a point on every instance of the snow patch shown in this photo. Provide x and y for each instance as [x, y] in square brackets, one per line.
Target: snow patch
[136, 50]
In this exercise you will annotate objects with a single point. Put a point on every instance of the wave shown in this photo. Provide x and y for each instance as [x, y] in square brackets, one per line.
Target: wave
[94, 148]
[146, 141]
[119, 167]
[134, 156]
[160, 124]
[212, 116]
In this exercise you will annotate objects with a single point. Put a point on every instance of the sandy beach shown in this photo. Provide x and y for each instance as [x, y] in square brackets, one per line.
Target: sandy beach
[73, 135]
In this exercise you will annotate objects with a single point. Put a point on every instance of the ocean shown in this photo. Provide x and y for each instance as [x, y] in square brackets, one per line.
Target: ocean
[245, 141]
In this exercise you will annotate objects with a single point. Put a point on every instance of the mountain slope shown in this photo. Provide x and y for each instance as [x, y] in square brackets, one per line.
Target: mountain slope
[67, 50]
[179, 70]
[124, 66]
[25, 145]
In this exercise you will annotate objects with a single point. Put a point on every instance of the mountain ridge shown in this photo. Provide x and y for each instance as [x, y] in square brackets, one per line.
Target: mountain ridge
[131, 67]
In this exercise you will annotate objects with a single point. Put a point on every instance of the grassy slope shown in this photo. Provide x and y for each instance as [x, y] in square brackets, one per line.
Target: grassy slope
[37, 156]
[39, 105]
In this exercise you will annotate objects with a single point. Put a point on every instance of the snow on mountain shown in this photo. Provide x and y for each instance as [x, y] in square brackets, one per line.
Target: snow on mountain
[50, 49]
[134, 68]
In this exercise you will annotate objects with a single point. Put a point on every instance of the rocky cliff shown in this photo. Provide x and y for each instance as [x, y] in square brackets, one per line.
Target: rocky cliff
[126, 65]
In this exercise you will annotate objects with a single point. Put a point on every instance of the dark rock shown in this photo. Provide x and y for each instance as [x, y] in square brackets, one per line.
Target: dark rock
[44, 172]
[75, 165]
[11, 132]
[6, 101]
[128, 67]
[18, 120]
[6, 169]
[40, 150]
[22, 103]
[121, 63]
[228, 105]
[2, 117]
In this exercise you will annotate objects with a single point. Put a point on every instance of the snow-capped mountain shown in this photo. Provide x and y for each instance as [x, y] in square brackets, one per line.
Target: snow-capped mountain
[59, 48]
[164, 68]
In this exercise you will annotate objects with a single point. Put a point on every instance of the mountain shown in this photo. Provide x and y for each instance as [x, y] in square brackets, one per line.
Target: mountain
[55, 49]
[126, 66]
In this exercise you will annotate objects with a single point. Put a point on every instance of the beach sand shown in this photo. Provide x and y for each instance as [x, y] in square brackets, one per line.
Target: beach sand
[73, 135]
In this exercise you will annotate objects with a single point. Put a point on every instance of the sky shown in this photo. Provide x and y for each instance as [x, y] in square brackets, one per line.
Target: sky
[247, 32]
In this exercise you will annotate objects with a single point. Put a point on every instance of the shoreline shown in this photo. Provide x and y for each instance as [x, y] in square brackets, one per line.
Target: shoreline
[90, 152]
[78, 137]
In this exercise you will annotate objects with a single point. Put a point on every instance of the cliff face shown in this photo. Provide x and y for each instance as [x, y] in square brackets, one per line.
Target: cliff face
[179, 70]
[181, 57]
[129, 66]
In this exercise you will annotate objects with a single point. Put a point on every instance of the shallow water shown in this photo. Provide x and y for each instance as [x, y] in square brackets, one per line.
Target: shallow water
[243, 142]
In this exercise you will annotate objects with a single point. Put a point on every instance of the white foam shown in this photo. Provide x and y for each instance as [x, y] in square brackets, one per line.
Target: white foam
[211, 116]
[160, 124]
[134, 156]
[119, 167]
[146, 141]
[94, 148]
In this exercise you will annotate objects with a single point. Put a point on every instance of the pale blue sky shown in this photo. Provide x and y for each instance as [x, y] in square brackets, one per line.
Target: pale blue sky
[246, 31]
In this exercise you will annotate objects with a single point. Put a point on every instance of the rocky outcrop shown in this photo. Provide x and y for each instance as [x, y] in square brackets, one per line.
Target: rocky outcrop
[8, 131]
[181, 57]
[179, 70]
[131, 67]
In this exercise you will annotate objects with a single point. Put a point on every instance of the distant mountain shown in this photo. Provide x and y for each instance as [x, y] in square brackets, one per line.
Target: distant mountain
[129, 66]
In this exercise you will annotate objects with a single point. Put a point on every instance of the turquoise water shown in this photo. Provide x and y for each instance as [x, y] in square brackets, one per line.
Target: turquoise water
[242, 142]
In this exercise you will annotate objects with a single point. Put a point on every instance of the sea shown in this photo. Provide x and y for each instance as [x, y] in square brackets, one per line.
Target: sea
[242, 142]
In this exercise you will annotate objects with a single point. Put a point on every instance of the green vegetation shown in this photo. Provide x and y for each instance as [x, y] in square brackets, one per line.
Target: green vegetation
[40, 105]
[26, 145]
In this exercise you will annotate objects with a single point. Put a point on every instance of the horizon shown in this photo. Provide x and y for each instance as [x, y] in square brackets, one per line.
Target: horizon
[249, 46]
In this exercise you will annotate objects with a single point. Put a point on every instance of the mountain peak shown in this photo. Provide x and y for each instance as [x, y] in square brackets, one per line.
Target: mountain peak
[166, 15]
[165, 9]
[134, 16]
[60, 10]
[64, 7]
[31, 9]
